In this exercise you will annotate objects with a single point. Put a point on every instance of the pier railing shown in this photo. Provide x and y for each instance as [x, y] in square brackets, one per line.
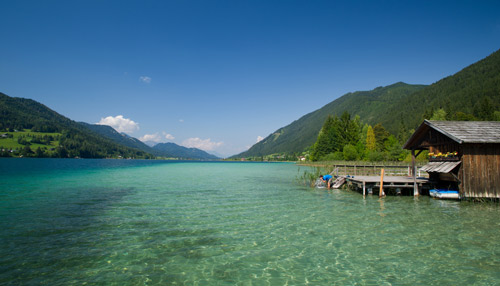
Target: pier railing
[374, 170]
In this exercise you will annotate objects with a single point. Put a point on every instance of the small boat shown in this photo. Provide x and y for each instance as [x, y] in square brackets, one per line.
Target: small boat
[444, 194]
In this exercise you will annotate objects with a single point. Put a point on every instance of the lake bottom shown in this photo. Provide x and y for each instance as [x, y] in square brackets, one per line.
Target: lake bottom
[108, 222]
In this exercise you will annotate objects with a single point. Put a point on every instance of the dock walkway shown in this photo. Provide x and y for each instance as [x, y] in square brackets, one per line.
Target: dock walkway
[395, 182]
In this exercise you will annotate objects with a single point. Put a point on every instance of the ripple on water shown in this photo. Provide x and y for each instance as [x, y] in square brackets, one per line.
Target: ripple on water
[147, 224]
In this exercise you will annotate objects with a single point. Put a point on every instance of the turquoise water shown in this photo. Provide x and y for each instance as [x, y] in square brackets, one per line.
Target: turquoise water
[119, 222]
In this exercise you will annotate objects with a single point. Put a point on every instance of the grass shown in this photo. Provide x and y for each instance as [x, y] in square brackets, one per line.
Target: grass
[11, 143]
[309, 176]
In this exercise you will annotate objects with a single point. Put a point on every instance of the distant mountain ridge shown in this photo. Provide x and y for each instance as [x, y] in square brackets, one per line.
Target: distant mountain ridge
[110, 133]
[399, 106]
[85, 140]
[183, 152]
[167, 150]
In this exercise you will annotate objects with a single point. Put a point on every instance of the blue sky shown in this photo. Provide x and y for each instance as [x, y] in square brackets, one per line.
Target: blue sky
[218, 75]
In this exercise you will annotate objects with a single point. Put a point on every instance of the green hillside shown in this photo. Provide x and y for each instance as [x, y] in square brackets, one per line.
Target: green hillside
[33, 120]
[303, 132]
[471, 94]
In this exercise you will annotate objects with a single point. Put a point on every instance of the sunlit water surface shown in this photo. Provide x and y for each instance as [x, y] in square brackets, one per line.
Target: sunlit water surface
[118, 222]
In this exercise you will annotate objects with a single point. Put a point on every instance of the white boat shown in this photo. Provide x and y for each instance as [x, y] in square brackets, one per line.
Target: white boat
[444, 194]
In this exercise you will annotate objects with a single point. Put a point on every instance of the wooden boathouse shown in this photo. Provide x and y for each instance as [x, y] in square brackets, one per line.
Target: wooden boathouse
[463, 155]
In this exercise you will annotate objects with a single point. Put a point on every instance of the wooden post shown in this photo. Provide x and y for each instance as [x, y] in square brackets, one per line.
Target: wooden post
[414, 173]
[381, 191]
[364, 188]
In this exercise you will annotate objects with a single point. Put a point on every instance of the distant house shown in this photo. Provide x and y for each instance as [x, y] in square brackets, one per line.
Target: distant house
[463, 155]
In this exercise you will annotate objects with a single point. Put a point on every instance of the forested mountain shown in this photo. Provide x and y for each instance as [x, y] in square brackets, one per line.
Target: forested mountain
[167, 150]
[36, 125]
[183, 152]
[22, 113]
[73, 139]
[110, 133]
[471, 94]
[303, 132]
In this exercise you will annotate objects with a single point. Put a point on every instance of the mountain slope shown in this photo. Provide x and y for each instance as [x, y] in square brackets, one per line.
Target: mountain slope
[75, 141]
[473, 91]
[110, 133]
[467, 91]
[183, 152]
[303, 132]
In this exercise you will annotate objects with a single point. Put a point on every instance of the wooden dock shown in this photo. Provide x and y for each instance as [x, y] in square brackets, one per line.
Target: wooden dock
[396, 183]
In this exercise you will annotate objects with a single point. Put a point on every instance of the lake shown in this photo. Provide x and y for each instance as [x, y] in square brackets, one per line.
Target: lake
[139, 222]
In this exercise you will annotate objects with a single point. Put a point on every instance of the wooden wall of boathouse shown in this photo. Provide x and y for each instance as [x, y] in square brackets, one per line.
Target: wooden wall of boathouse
[438, 143]
[480, 171]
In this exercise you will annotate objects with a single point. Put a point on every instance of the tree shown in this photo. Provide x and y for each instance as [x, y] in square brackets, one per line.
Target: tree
[335, 134]
[349, 130]
[325, 143]
[439, 114]
[428, 113]
[394, 149]
[461, 116]
[380, 136]
[26, 151]
[39, 153]
[484, 109]
[350, 153]
[496, 116]
[370, 139]
[375, 156]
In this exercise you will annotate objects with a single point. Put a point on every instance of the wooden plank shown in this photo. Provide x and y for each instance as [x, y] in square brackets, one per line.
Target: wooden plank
[338, 182]
[466, 173]
[497, 171]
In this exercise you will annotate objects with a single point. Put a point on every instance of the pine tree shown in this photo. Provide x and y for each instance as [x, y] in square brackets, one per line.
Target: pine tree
[439, 114]
[325, 142]
[381, 136]
[370, 139]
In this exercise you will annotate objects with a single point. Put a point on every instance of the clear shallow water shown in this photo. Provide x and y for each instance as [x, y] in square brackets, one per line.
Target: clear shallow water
[118, 222]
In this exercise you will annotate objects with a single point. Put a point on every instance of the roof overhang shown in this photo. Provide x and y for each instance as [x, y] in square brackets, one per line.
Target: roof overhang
[460, 132]
[422, 131]
[440, 167]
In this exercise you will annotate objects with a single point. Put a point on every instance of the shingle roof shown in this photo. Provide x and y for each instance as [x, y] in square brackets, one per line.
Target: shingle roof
[440, 167]
[458, 131]
[468, 131]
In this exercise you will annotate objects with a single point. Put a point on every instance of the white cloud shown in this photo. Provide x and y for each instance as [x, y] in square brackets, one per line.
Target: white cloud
[181, 120]
[168, 136]
[157, 137]
[120, 124]
[259, 138]
[145, 79]
[203, 144]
